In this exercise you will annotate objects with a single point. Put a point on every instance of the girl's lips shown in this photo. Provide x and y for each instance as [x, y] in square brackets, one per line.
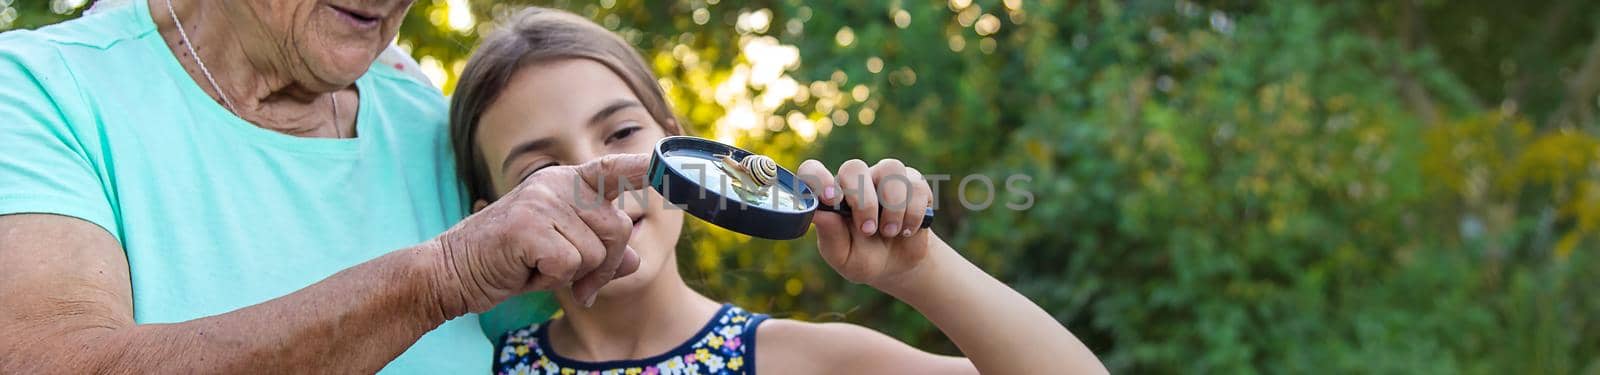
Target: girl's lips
[638, 224]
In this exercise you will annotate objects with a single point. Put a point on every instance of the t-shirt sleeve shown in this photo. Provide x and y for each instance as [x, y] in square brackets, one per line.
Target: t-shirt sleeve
[44, 165]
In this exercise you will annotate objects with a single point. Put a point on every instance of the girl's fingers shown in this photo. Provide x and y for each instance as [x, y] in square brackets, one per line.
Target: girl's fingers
[833, 237]
[894, 192]
[919, 201]
[866, 259]
[855, 181]
[821, 182]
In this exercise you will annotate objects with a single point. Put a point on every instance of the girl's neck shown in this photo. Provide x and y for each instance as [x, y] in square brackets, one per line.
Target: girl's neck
[656, 318]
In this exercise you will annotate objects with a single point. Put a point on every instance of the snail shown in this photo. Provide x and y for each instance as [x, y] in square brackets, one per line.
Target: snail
[761, 168]
[757, 170]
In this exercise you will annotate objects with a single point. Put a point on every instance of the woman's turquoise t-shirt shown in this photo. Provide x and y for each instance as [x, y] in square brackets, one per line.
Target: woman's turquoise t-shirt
[98, 121]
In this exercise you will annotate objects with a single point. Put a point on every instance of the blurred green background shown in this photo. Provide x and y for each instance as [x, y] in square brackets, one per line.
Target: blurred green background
[1218, 186]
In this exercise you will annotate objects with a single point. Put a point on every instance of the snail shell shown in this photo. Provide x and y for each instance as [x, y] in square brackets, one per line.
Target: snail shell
[761, 168]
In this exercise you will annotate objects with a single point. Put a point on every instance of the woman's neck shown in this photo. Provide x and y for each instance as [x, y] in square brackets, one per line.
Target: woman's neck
[659, 316]
[256, 78]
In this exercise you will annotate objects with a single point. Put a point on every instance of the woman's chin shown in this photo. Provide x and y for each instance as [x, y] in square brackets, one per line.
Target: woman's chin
[346, 64]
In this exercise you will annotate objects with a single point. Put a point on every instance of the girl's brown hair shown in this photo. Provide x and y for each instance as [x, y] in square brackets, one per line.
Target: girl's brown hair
[533, 36]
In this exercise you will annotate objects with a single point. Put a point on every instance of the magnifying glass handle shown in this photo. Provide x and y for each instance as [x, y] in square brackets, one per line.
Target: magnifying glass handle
[844, 209]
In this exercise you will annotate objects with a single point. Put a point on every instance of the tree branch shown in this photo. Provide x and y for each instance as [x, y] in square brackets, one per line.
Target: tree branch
[1575, 109]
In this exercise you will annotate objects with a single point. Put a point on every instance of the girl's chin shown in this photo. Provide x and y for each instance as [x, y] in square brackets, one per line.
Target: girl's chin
[625, 287]
[632, 283]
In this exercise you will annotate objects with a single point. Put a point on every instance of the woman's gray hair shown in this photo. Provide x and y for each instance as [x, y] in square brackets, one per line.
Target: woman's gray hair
[533, 36]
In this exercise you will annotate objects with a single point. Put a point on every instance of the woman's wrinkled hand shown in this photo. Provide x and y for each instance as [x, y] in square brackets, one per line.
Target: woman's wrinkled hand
[555, 229]
[882, 239]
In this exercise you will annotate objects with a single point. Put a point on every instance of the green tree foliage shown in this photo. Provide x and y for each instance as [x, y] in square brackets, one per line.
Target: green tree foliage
[1215, 186]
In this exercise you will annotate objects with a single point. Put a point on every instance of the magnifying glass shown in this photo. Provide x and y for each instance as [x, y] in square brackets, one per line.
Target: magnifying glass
[708, 179]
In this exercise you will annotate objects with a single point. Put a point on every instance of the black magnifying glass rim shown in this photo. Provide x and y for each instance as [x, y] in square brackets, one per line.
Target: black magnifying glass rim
[684, 189]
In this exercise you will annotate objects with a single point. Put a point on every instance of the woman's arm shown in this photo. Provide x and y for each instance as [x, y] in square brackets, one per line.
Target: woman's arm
[68, 308]
[66, 302]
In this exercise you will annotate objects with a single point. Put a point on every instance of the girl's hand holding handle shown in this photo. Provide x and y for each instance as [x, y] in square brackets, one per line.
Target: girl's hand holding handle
[881, 241]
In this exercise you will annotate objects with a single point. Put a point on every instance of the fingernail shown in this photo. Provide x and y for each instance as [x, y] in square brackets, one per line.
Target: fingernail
[908, 232]
[891, 229]
[828, 193]
[589, 302]
[869, 227]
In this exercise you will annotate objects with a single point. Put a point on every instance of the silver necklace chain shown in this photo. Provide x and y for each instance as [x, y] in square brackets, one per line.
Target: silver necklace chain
[218, 88]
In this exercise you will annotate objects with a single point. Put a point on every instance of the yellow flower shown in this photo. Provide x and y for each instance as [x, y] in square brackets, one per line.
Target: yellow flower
[702, 354]
[522, 350]
[566, 371]
[733, 364]
[634, 371]
[716, 342]
[738, 318]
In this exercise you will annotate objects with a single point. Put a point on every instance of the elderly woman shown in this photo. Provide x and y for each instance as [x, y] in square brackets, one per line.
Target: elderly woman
[234, 186]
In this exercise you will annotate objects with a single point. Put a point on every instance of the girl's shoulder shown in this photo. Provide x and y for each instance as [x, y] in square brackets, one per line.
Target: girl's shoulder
[799, 347]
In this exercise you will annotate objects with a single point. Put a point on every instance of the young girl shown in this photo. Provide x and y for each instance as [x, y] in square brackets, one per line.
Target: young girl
[554, 88]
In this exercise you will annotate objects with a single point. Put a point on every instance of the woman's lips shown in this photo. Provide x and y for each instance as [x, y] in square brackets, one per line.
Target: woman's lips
[359, 19]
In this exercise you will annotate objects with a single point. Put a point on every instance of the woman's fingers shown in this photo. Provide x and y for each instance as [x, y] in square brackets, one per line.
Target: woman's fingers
[530, 257]
[556, 260]
[587, 288]
[894, 191]
[629, 264]
[609, 228]
[591, 251]
[596, 233]
[856, 182]
[554, 229]
[611, 175]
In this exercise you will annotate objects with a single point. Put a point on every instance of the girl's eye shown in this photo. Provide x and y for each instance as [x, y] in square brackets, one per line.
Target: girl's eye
[530, 172]
[622, 134]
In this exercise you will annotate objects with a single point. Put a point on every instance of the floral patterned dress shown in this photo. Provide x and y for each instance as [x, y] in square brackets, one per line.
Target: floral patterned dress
[726, 345]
